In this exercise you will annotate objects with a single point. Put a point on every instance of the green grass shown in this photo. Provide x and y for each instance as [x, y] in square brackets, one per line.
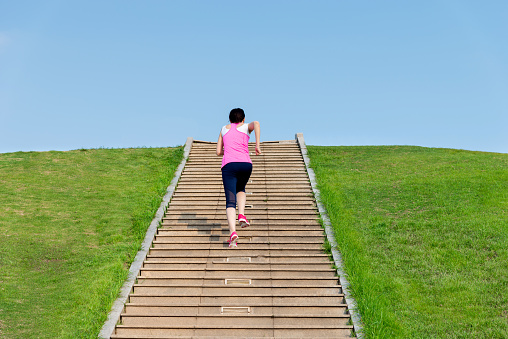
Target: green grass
[70, 225]
[424, 237]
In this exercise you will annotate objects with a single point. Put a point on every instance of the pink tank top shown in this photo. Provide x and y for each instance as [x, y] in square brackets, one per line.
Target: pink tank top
[236, 146]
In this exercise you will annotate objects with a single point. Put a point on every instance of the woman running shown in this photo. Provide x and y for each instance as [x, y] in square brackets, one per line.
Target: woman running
[233, 144]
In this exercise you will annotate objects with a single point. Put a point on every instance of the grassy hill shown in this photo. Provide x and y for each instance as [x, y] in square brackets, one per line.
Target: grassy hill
[424, 235]
[70, 225]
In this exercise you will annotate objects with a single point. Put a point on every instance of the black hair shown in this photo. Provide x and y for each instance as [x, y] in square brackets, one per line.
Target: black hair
[236, 115]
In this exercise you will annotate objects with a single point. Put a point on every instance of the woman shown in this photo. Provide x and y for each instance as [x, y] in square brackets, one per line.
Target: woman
[233, 144]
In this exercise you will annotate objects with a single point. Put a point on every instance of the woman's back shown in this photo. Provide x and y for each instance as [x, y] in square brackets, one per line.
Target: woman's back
[236, 143]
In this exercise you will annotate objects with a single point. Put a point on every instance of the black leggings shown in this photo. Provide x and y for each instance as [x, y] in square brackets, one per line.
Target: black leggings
[234, 177]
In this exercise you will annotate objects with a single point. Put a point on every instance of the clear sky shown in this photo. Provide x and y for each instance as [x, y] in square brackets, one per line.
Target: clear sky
[89, 74]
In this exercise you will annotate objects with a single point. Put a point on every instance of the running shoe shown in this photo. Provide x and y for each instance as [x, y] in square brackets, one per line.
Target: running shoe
[232, 240]
[243, 221]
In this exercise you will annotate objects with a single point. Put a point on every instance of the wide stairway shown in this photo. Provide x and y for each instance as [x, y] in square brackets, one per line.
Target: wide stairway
[277, 283]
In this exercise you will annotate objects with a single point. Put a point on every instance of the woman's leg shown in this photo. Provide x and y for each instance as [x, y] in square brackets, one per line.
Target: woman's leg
[243, 178]
[229, 181]
[241, 198]
[231, 214]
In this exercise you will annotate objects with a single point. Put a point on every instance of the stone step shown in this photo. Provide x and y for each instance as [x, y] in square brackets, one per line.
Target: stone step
[325, 321]
[271, 167]
[267, 151]
[253, 200]
[209, 281]
[257, 182]
[245, 232]
[270, 152]
[232, 290]
[243, 238]
[256, 162]
[219, 197]
[283, 259]
[252, 207]
[218, 201]
[243, 243]
[260, 219]
[283, 154]
[273, 195]
[252, 234]
[189, 310]
[218, 192]
[258, 171]
[253, 180]
[228, 251]
[232, 273]
[260, 223]
[223, 265]
[300, 176]
[281, 171]
[255, 185]
[234, 334]
[217, 228]
[257, 166]
[256, 224]
[295, 151]
[238, 300]
[219, 210]
[287, 158]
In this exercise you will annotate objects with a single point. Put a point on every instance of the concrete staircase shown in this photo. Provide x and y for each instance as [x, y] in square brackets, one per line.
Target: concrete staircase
[277, 283]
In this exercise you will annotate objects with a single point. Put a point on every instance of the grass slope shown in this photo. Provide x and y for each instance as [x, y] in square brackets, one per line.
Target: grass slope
[70, 225]
[424, 235]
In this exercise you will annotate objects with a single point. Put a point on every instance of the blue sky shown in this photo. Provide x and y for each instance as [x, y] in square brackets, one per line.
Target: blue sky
[88, 74]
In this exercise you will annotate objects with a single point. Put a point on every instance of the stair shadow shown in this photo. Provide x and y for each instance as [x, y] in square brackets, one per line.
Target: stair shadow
[203, 226]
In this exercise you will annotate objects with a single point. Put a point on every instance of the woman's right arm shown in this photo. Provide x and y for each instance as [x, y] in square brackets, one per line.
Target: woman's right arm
[220, 145]
[254, 126]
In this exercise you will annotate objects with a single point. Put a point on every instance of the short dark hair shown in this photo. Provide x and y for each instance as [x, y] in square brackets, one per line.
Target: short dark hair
[236, 115]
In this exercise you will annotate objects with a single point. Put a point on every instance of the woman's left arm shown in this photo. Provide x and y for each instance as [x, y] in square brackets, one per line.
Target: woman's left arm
[220, 146]
[254, 126]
